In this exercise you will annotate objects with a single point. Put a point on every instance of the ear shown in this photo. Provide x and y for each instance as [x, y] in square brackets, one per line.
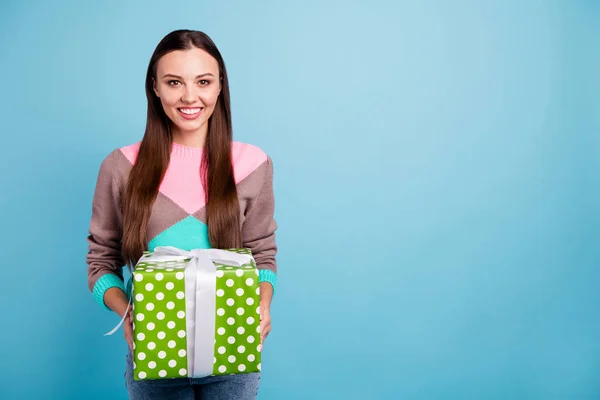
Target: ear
[154, 87]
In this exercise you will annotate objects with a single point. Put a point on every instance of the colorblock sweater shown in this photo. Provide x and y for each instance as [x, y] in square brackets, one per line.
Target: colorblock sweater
[178, 216]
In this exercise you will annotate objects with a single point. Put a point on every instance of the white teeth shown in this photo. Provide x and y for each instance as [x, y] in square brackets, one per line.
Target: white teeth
[189, 111]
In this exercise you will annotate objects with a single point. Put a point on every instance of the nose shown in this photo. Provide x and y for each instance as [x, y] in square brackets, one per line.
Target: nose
[189, 95]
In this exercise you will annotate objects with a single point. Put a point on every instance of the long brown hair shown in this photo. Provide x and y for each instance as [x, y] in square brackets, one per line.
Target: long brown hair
[222, 207]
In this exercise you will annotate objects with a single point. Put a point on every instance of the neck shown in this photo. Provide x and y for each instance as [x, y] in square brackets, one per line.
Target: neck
[194, 139]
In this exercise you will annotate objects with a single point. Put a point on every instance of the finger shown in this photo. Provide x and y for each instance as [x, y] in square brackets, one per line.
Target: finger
[264, 332]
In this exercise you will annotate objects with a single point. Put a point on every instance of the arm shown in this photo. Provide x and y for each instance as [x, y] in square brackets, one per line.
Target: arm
[258, 234]
[104, 259]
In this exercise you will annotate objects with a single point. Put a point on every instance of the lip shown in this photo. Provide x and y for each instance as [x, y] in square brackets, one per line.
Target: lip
[189, 116]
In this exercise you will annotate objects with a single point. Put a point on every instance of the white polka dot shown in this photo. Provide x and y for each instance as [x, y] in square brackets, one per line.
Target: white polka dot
[231, 359]
[214, 360]
[249, 301]
[151, 346]
[220, 292]
[181, 334]
[180, 314]
[259, 348]
[141, 336]
[181, 353]
[250, 321]
[133, 325]
[172, 363]
[170, 324]
[221, 331]
[258, 329]
[249, 281]
[182, 372]
[230, 321]
[160, 315]
[139, 317]
[258, 290]
[231, 340]
[141, 356]
[142, 375]
[150, 326]
[221, 350]
[179, 276]
[229, 282]
[152, 365]
[162, 354]
[172, 344]
[170, 285]
[169, 269]
[220, 274]
[230, 302]
[149, 287]
[139, 277]
[139, 297]
[150, 306]
[251, 339]
[159, 276]
[242, 367]
[150, 269]
[258, 310]
[220, 312]
[160, 296]
[256, 272]
[259, 366]
[222, 369]
[239, 272]
[251, 357]
[239, 292]
[241, 349]
[161, 335]
[180, 295]
[240, 311]
[241, 330]
[170, 305]
[162, 373]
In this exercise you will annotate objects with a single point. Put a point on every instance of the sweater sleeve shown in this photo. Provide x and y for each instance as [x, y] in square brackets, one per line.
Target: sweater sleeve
[104, 257]
[258, 229]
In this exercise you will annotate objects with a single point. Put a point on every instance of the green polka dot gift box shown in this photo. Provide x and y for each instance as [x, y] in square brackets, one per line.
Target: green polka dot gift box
[195, 313]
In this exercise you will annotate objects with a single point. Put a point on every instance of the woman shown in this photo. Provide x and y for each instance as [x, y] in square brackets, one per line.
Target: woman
[188, 185]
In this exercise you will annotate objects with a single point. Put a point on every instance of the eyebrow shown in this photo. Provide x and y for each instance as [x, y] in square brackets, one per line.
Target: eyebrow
[179, 77]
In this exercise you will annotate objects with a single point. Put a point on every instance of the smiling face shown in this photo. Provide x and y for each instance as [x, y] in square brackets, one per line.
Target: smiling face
[188, 85]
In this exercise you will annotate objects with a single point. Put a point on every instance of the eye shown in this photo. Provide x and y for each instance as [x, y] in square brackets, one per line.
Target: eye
[204, 82]
[173, 83]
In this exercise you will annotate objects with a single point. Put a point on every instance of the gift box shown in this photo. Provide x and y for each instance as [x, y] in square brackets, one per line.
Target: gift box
[195, 313]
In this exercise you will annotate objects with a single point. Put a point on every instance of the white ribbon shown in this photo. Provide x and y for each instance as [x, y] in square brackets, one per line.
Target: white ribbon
[200, 295]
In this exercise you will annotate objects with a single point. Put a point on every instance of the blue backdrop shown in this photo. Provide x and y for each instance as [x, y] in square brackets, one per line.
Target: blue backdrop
[437, 185]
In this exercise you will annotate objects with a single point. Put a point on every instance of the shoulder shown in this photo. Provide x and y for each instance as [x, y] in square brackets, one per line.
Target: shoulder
[119, 161]
[130, 151]
[248, 159]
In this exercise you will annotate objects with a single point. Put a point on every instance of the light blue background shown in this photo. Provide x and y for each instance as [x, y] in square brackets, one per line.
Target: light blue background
[437, 180]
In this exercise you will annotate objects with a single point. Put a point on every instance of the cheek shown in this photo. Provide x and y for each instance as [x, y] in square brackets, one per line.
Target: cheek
[169, 100]
[210, 98]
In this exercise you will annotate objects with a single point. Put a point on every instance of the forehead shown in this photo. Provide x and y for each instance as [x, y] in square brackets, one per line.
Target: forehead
[187, 63]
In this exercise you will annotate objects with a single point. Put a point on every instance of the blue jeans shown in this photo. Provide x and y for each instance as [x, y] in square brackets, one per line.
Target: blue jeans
[227, 387]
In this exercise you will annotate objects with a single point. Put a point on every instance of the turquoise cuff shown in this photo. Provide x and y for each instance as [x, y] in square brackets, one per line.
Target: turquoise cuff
[106, 282]
[266, 275]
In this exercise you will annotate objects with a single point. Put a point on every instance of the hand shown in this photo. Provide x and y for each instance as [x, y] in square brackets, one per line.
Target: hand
[265, 322]
[128, 330]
